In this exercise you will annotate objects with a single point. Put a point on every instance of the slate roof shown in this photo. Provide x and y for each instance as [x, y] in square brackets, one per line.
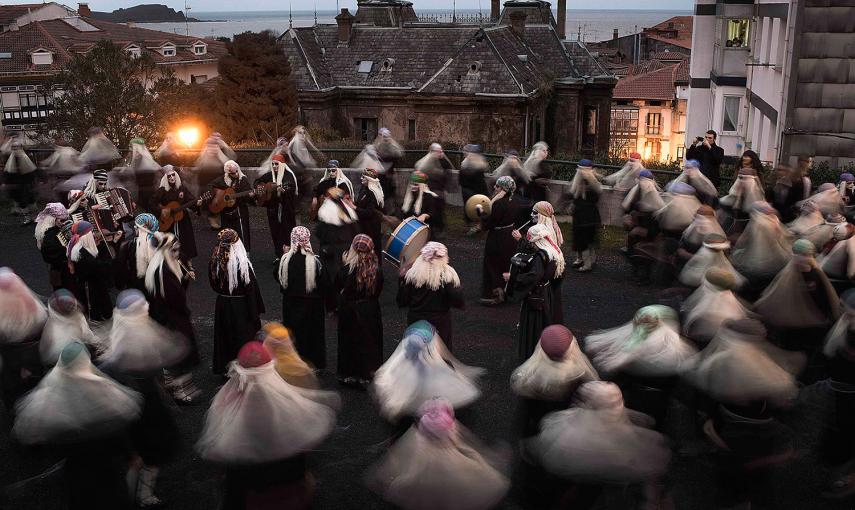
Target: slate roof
[64, 40]
[9, 13]
[431, 59]
[658, 85]
[682, 25]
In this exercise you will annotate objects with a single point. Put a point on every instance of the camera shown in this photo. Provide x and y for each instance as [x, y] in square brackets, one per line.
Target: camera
[699, 138]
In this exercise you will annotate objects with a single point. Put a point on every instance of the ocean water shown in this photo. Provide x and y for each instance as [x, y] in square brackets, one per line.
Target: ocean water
[587, 25]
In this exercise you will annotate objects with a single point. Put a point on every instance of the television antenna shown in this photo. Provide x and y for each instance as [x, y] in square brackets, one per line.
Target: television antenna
[186, 17]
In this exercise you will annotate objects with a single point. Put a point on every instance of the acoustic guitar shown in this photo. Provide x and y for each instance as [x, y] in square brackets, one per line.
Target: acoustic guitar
[173, 212]
[266, 191]
[223, 198]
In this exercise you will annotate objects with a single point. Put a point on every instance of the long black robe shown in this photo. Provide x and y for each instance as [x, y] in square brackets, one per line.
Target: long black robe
[168, 306]
[471, 179]
[303, 312]
[433, 306]
[586, 220]
[537, 310]
[236, 317]
[370, 218]
[183, 229]
[281, 212]
[439, 181]
[535, 190]
[360, 327]
[500, 245]
[54, 254]
[94, 275]
[237, 217]
[126, 266]
[333, 240]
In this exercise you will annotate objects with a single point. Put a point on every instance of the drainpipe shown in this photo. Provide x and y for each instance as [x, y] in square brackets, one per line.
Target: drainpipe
[526, 128]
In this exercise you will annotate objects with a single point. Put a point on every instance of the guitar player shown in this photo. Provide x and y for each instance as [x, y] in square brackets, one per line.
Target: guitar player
[236, 216]
[173, 192]
[280, 202]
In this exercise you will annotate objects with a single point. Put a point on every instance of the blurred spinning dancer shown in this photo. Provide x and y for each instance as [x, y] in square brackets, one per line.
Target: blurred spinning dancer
[99, 152]
[585, 190]
[436, 166]
[22, 317]
[239, 303]
[20, 174]
[65, 324]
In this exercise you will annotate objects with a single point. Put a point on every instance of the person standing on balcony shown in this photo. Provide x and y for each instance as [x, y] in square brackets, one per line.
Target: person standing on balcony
[710, 155]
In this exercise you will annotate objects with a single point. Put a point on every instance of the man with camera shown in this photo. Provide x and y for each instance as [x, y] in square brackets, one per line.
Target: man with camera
[708, 154]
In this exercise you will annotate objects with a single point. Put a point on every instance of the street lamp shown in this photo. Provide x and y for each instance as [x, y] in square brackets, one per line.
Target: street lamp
[188, 136]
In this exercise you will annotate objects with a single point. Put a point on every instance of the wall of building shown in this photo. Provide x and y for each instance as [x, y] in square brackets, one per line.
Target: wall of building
[185, 72]
[46, 12]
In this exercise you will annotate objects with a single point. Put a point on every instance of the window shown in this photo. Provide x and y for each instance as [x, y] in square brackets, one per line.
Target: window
[730, 117]
[623, 130]
[365, 66]
[29, 100]
[681, 152]
[411, 129]
[10, 100]
[737, 33]
[198, 78]
[168, 50]
[134, 51]
[366, 129]
[42, 58]
[652, 150]
[591, 119]
[654, 123]
[200, 49]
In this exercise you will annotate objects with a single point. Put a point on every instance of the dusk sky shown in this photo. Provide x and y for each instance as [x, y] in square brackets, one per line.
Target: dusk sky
[271, 5]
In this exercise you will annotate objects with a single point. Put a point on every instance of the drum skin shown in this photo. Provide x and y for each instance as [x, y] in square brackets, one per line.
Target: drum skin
[406, 241]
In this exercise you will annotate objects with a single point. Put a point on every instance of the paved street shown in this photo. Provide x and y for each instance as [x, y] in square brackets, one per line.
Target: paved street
[484, 337]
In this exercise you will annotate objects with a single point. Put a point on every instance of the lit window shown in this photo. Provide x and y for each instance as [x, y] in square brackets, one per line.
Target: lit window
[730, 117]
[737, 33]
[591, 119]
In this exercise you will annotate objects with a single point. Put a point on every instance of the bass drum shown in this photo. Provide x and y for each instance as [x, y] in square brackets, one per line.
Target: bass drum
[407, 241]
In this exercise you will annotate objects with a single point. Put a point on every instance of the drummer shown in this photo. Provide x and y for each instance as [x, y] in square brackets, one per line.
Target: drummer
[500, 245]
[420, 201]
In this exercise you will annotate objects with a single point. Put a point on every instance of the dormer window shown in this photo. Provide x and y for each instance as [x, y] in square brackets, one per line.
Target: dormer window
[200, 49]
[387, 64]
[134, 51]
[167, 50]
[42, 57]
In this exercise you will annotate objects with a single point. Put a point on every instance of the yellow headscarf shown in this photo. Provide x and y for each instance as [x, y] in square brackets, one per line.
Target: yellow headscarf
[289, 365]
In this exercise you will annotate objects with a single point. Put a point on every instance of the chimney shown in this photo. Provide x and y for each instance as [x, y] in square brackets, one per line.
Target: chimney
[614, 34]
[345, 25]
[518, 23]
[495, 9]
[562, 19]
[83, 9]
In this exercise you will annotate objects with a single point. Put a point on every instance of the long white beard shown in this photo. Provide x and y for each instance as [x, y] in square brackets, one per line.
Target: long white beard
[312, 264]
[432, 274]
[161, 261]
[408, 199]
[374, 187]
[42, 227]
[144, 252]
[239, 266]
[553, 255]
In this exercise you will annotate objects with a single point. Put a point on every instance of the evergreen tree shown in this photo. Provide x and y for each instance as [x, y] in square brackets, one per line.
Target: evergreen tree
[256, 99]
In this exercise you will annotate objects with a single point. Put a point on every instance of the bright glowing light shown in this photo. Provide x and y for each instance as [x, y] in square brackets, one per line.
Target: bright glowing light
[188, 136]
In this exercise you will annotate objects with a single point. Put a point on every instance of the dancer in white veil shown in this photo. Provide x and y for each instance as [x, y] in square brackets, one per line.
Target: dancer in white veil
[838, 257]
[712, 254]
[764, 247]
[99, 151]
[713, 303]
[809, 218]
[681, 204]
[65, 324]
[693, 176]
[624, 179]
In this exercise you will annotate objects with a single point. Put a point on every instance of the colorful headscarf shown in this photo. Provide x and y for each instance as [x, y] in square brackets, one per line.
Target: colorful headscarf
[507, 183]
[541, 236]
[253, 355]
[433, 250]
[229, 259]
[436, 418]
[300, 240]
[361, 258]
[278, 341]
[431, 268]
[55, 210]
[547, 217]
[418, 177]
[301, 237]
[148, 223]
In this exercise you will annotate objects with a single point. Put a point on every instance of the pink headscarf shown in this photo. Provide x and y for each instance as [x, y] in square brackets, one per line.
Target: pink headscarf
[434, 250]
[54, 209]
[300, 236]
[437, 418]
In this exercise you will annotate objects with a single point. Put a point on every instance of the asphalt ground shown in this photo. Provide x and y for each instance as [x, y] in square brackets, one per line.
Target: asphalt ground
[484, 337]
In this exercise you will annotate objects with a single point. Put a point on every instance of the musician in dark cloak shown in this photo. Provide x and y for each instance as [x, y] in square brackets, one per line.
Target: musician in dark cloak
[281, 206]
[51, 241]
[534, 283]
[472, 170]
[172, 191]
[333, 177]
[135, 253]
[92, 266]
[166, 283]
[236, 217]
[360, 322]
[239, 303]
[389, 152]
[337, 224]
[420, 201]
[500, 245]
[370, 202]
[437, 167]
[97, 184]
[585, 191]
[302, 282]
[430, 288]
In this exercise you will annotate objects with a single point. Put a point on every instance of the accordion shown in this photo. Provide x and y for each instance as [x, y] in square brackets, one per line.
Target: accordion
[519, 262]
[63, 238]
[118, 201]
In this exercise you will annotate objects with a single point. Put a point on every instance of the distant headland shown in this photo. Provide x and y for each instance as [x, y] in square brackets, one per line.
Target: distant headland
[145, 13]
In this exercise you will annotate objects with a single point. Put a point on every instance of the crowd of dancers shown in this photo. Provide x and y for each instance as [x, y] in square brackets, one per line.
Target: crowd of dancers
[89, 375]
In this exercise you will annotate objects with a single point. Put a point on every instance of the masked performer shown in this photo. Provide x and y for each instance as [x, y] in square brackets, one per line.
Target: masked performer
[437, 167]
[281, 206]
[239, 303]
[99, 152]
[172, 190]
[337, 224]
[370, 202]
[430, 289]
[49, 240]
[585, 190]
[135, 253]
[92, 267]
[500, 245]
[535, 282]
[236, 217]
[360, 322]
[439, 464]
[302, 281]
[420, 200]
[22, 317]
[334, 177]
[259, 429]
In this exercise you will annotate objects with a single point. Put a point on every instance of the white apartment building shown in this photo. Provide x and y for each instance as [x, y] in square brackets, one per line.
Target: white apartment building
[775, 77]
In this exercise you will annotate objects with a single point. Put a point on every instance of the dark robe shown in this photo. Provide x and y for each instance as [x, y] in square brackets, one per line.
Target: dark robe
[237, 217]
[324, 185]
[360, 327]
[586, 220]
[236, 317]
[303, 312]
[94, 473]
[168, 306]
[126, 266]
[536, 188]
[54, 254]
[471, 179]
[433, 306]
[94, 275]
[333, 240]
[430, 206]
[370, 218]
[439, 181]
[22, 187]
[281, 212]
[268, 486]
[500, 245]
[183, 229]
[538, 305]
[784, 198]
